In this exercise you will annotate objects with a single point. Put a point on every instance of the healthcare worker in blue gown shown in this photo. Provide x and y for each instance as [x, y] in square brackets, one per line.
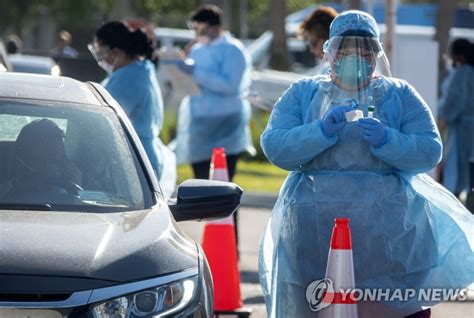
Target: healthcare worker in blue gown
[220, 115]
[407, 230]
[124, 55]
[456, 112]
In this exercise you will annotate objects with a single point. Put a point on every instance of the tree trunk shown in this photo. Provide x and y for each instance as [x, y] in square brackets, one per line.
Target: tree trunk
[354, 4]
[279, 56]
[244, 29]
[390, 23]
[226, 7]
[123, 9]
[444, 22]
[235, 18]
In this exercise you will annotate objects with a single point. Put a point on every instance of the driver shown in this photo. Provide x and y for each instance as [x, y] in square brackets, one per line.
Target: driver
[39, 163]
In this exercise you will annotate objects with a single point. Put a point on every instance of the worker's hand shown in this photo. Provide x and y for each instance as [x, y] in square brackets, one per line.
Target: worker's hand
[373, 131]
[334, 120]
[184, 65]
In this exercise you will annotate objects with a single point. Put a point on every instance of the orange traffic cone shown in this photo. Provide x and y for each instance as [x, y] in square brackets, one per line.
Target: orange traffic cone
[340, 270]
[219, 246]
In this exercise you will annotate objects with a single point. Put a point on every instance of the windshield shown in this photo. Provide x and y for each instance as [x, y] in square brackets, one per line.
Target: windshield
[68, 158]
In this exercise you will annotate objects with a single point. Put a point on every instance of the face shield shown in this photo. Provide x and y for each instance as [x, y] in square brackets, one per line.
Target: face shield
[355, 61]
[356, 66]
[100, 56]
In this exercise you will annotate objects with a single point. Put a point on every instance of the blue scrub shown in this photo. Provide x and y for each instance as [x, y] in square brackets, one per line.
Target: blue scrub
[136, 89]
[218, 117]
[456, 108]
[407, 231]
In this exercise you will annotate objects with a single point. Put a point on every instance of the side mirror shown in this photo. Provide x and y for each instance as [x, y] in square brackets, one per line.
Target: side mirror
[205, 200]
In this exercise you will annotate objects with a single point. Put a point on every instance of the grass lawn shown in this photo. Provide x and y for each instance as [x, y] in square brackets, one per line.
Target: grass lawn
[252, 176]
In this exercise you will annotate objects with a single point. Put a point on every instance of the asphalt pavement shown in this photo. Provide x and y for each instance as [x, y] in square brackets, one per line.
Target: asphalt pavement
[254, 214]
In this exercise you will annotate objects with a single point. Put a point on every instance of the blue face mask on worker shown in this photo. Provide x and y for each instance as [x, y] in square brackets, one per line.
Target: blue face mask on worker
[353, 70]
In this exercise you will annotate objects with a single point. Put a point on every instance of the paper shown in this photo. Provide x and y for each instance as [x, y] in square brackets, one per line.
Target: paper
[181, 81]
[354, 115]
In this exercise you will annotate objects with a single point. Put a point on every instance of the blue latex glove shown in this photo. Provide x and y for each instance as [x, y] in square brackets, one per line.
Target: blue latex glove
[373, 131]
[334, 120]
[185, 66]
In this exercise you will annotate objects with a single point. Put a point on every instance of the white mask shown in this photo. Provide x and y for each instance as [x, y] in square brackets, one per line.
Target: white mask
[109, 68]
[203, 39]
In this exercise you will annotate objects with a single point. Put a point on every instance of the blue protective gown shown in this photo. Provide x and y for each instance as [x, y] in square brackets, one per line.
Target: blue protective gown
[407, 230]
[136, 89]
[456, 108]
[218, 117]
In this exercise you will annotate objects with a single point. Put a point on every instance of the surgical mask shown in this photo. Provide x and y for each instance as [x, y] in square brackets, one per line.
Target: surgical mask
[449, 65]
[109, 68]
[203, 39]
[353, 70]
[100, 58]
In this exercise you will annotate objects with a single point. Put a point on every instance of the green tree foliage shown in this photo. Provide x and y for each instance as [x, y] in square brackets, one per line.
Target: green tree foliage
[18, 14]
[167, 13]
[156, 10]
[144, 7]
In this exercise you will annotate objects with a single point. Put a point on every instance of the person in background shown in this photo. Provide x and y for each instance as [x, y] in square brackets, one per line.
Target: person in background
[124, 55]
[408, 232]
[13, 44]
[64, 49]
[456, 116]
[315, 31]
[220, 116]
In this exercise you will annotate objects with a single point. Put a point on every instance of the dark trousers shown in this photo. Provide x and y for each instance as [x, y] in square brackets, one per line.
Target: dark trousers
[421, 314]
[201, 171]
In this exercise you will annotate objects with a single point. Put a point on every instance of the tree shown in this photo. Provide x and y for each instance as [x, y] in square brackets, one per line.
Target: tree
[444, 22]
[17, 15]
[390, 22]
[279, 57]
[354, 4]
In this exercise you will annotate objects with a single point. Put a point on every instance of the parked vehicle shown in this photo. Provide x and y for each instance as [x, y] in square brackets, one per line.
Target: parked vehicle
[171, 37]
[4, 62]
[84, 228]
[25, 63]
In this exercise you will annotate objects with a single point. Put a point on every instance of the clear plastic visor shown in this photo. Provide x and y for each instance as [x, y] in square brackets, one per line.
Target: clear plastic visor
[355, 61]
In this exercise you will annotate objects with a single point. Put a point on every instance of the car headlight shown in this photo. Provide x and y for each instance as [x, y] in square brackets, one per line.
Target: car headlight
[154, 302]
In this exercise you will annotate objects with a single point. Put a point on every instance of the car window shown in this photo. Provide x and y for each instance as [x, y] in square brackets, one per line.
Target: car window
[10, 125]
[68, 158]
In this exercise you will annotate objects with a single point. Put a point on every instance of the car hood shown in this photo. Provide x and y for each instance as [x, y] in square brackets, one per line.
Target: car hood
[114, 247]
